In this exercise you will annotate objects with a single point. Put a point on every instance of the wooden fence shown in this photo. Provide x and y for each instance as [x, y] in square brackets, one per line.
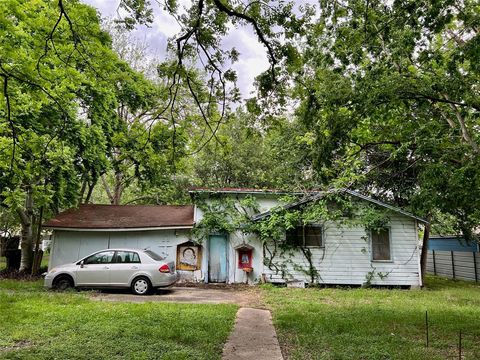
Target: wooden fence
[459, 265]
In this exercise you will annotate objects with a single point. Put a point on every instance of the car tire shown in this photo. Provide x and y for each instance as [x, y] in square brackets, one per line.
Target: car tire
[62, 283]
[141, 286]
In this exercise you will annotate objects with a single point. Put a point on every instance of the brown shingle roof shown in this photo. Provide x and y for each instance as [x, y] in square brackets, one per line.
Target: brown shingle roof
[123, 217]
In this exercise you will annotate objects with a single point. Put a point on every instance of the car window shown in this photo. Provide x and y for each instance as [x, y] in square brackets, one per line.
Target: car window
[103, 257]
[154, 256]
[127, 257]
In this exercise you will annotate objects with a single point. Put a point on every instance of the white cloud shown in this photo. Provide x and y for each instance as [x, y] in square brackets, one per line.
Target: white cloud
[253, 59]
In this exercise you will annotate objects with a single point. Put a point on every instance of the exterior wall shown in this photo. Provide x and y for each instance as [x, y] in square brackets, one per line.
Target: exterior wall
[69, 246]
[236, 275]
[346, 257]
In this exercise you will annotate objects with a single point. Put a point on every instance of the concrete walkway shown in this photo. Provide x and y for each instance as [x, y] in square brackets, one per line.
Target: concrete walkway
[253, 337]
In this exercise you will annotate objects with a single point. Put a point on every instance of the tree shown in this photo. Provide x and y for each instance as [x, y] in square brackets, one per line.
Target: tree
[277, 24]
[57, 106]
[390, 93]
[254, 154]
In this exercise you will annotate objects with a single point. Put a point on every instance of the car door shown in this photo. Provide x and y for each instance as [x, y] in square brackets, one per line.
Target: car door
[95, 269]
[124, 266]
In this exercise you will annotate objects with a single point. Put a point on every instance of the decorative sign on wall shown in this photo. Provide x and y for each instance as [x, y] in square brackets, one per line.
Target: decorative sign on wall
[244, 252]
[189, 256]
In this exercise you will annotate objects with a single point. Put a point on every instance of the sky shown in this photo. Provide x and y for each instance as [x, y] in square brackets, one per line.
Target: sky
[252, 61]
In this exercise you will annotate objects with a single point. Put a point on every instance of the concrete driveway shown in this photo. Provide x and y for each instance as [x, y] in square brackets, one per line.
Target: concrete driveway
[242, 295]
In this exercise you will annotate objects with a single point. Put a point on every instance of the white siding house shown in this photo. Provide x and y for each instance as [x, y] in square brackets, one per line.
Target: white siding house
[339, 254]
[344, 256]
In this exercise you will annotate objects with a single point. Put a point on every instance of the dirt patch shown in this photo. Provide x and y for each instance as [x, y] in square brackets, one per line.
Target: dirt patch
[247, 296]
[17, 275]
[19, 344]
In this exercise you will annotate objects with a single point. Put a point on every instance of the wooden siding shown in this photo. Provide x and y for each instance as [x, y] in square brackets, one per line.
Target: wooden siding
[346, 257]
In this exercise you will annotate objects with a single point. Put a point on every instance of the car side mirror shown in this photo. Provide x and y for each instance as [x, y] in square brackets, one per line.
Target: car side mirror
[81, 264]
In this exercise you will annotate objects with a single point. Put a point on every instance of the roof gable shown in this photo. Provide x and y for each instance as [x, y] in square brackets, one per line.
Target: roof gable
[317, 195]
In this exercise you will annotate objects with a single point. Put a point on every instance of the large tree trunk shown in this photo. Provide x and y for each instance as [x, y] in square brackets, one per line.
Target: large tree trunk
[26, 243]
[117, 197]
[423, 259]
[37, 259]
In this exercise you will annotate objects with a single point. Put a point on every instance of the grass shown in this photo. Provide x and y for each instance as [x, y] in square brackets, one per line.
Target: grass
[39, 324]
[311, 324]
[377, 324]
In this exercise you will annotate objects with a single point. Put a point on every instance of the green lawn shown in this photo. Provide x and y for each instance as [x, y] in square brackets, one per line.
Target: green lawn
[37, 324]
[377, 324]
[311, 324]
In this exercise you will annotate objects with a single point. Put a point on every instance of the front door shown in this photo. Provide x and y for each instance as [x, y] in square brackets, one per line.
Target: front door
[217, 259]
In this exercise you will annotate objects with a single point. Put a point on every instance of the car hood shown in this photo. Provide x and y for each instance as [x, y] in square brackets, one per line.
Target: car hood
[64, 265]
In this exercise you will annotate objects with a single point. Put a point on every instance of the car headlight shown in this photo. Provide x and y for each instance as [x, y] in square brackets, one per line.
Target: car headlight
[52, 271]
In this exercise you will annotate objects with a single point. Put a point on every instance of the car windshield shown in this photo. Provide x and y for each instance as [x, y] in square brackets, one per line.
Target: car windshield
[153, 255]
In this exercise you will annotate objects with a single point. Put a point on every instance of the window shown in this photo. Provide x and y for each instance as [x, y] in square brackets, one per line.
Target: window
[127, 257]
[154, 255]
[307, 235]
[104, 257]
[381, 245]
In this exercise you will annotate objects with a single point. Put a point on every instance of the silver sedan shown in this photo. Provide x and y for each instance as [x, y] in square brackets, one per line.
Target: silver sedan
[139, 270]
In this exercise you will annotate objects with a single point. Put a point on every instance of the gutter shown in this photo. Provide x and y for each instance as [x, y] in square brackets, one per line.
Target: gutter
[119, 229]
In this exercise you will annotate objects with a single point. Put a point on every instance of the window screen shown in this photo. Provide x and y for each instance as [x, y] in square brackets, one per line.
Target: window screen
[308, 235]
[381, 244]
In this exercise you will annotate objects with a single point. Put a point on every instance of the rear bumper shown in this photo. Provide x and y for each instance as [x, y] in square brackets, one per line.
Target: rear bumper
[166, 280]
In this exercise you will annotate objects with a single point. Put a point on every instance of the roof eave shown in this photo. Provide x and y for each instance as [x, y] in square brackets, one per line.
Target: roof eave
[248, 192]
[149, 228]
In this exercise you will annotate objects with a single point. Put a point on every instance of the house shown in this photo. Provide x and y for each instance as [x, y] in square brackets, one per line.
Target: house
[89, 228]
[321, 251]
[332, 251]
[453, 257]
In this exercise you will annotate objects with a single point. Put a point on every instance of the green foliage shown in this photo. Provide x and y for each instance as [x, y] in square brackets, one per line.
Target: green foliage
[69, 113]
[254, 153]
[389, 98]
[48, 78]
[222, 214]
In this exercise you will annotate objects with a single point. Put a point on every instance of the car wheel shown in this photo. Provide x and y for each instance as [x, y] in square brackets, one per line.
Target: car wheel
[63, 283]
[141, 286]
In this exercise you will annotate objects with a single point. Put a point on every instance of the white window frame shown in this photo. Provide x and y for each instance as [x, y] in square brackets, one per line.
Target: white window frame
[391, 260]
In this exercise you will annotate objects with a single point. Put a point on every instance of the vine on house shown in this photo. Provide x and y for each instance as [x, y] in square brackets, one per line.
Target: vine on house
[224, 214]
